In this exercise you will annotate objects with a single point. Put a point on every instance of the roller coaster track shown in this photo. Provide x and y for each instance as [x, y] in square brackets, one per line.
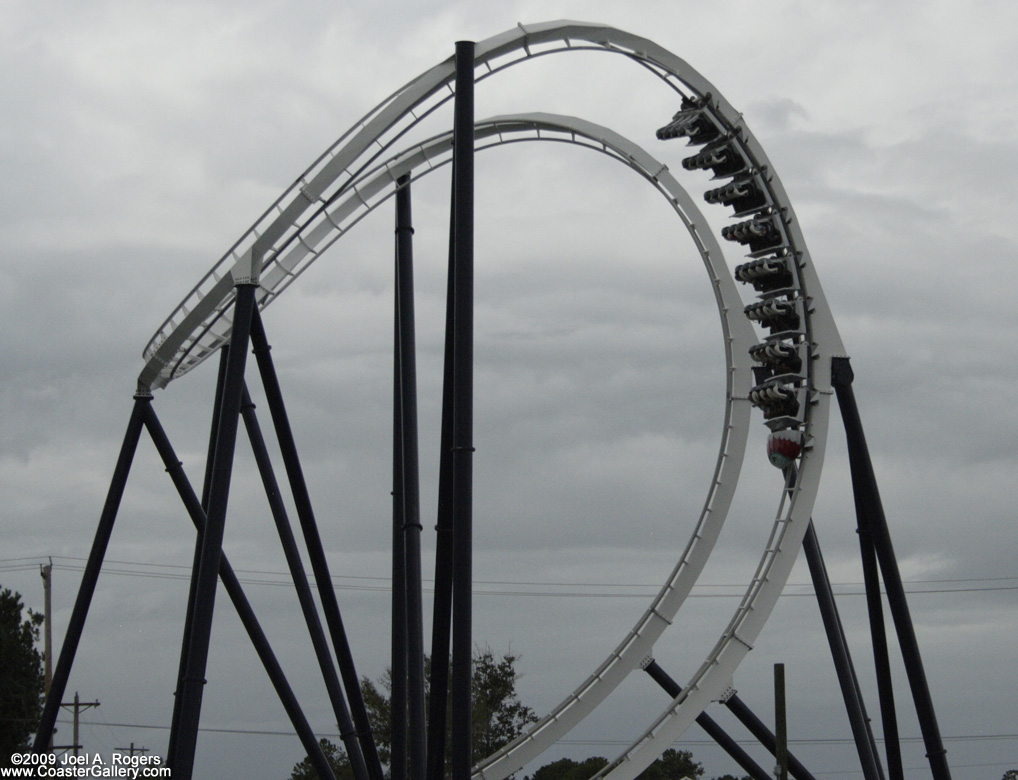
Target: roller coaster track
[788, 335]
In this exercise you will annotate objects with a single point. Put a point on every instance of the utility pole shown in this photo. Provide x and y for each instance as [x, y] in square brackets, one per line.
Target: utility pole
[46, 571]
[47, 584]
[132, 750]
[78, 706]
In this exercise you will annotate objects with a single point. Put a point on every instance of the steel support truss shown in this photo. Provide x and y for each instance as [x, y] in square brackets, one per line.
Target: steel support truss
[352, 178]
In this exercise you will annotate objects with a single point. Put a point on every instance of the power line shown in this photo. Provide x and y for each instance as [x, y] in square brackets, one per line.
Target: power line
[209, 729]
[32, 561]
[791, 741]
[486, 587]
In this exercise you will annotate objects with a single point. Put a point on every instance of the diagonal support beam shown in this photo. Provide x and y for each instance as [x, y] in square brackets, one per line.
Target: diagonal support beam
[764, 735]
[88, 580]
[313, 541]
[239, 599]
[708, 724]
[881, 658]
[307, 602]
[871, 518]
[850, 690]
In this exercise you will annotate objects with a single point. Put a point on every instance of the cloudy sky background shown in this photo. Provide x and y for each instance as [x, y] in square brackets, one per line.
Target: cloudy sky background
[139, 140]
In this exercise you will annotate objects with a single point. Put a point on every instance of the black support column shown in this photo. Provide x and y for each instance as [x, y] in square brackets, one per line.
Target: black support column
[441, 623]
[462, 410]
[182, 762]
[210, 456]
[408, 627]
[871, 519]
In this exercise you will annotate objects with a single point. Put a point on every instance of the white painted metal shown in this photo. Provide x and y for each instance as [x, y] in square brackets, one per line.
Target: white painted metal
[347, 181]
[199, 325]
[376, 185]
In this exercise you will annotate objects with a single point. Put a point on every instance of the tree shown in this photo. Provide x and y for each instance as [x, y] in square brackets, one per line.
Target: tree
[336, 757]
[498, 715]
[672, 765]
[567, 769]
[1010, 774]
[22, 681]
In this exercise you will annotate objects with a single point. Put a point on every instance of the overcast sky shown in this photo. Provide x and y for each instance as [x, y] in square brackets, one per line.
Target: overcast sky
[140, 139]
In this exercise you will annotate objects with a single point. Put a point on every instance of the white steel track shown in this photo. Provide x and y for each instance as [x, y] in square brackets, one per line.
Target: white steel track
[359, 172]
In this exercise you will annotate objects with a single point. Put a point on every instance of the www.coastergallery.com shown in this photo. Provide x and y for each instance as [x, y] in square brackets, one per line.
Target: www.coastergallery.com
[41, 765]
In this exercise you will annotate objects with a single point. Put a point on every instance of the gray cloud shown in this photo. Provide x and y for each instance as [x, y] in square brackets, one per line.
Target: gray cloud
[135, 152]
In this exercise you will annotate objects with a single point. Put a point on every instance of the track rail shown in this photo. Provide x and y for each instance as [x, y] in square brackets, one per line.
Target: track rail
[359, 172]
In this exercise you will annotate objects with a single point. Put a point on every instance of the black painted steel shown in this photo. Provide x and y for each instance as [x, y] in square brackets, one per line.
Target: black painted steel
[398, 648]
[196, 559]
[709, 725]
[462, 407]
[855, 707]
[441, 623]
[313, 542]
[217, 408]
[878, 637]
[171, 746]
[780, 724]
[764, 735]
[236, 593]
[408, 486]
[91, 576]
[870, 515]
[881, 659]
[300, 581]
[182, 761]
